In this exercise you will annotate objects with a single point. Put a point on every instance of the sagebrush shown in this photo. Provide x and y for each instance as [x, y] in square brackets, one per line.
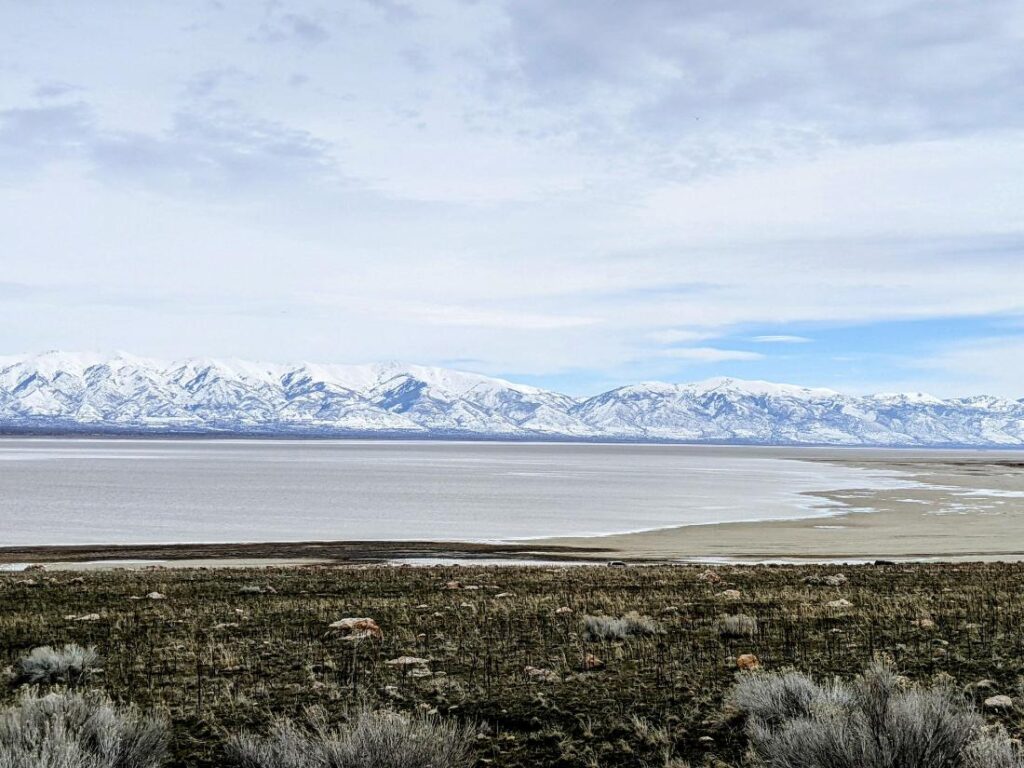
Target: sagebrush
[738, 625]
[615, 628]
[70, 665]
[373, 739]
[876, 721]
[76, 730]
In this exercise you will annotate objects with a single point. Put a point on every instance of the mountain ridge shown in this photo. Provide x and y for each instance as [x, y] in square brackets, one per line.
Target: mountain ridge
[73, 392]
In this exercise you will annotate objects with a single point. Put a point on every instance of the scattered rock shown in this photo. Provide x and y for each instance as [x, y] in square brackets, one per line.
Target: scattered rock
[77, 580]
[503, 595]
[1000, 702]
[86, 617]
[251, 589]
[358, 629]
[156, 596]
[34, 568]
[405, 662]
[832, 580]
[748, 662]
[839, 605]
[541, 675]
[709, 577]
[924, 623]
[616, 564]
[563, 611]
[730, 594]
[453, 585]
[985, 685]
[591, 663]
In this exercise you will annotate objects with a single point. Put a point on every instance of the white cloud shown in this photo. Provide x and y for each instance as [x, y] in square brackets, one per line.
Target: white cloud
[993, 366]
[781, 339]
[491, 318]
[447, 182]
[709, 354]
[680, 336]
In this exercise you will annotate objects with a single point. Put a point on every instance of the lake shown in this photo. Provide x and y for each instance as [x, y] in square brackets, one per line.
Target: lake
[114, 491]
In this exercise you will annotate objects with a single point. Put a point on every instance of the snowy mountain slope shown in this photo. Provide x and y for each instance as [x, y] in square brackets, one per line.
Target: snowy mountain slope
[59, 391]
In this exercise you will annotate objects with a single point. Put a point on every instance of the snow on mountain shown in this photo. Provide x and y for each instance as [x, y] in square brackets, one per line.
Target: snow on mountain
[57, 391]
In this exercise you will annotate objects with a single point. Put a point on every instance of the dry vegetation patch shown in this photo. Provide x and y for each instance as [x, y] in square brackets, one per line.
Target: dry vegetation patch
[644, 657]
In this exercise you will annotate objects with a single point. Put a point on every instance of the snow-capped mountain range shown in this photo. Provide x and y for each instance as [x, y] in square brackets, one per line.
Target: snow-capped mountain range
[61, 392]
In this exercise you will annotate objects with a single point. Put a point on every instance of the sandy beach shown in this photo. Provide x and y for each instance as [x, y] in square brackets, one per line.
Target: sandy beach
[968, 507]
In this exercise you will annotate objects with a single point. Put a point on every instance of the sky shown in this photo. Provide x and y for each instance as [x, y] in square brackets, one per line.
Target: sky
[574, 194]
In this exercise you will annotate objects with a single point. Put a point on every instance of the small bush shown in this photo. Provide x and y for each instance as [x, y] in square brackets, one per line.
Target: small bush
[613, 628]
[874, 722]
[70, 665]
[739, 625]
[994, 750]
[372, 740]
[69, 730]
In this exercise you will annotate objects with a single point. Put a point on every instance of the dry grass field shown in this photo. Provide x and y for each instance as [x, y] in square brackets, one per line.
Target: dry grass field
[567, 666]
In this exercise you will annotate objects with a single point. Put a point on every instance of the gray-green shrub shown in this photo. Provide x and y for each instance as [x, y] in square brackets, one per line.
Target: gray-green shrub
[78, 730]
[70, 665]
[873, 722]
[615, 628]
[373, 739]
[739, 625]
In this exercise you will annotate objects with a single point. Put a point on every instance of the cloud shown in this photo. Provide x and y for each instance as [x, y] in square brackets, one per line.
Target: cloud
[208, 82]
[980, 366]
[692, 70]
[709, 354]
[219, 148]
[493, 318]
[54, 90]
[33, 137]
[781, 339]
[680, 335]
[544, 186]
[292, 27]
[225, 150]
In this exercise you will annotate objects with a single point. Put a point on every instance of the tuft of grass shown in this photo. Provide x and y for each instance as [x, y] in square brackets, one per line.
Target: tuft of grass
[373, 739]
[71, 730]
[70, 665]
[615, 628]
[874, 722]
[739, 625]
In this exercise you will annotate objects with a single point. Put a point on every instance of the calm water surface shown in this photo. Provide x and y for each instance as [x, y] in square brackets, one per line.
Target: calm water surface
[75, 491]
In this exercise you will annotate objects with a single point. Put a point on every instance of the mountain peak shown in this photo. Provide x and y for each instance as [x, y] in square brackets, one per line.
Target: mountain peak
[59, 391]
[757, 387]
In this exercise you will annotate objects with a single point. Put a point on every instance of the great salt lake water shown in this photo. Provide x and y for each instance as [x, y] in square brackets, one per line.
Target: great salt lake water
[109, 491]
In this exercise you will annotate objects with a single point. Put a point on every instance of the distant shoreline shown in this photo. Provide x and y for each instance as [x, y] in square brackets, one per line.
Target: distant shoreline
[116, 433]
[332, 552]
[956, 507]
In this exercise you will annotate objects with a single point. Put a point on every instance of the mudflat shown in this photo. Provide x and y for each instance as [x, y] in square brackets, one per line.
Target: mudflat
[963, 505]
